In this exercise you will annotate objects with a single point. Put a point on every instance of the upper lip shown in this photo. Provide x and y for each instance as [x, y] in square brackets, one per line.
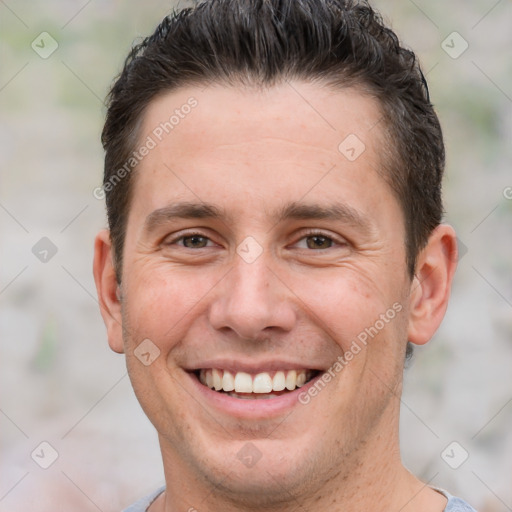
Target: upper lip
[251, 367]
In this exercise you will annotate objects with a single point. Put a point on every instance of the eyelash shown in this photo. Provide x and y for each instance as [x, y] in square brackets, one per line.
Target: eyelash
[330, 237]
[186, 235]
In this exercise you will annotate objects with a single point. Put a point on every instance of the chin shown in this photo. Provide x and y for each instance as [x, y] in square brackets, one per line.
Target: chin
[261, 472]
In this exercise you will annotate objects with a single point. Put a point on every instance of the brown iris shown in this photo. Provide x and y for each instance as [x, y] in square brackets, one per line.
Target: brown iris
[195, 241]
[318, 242]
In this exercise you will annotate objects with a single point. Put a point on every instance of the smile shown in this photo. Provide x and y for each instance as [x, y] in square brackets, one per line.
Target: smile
[244, 385]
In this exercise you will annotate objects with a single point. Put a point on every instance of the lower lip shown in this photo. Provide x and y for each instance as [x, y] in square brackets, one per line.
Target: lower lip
[252, 407]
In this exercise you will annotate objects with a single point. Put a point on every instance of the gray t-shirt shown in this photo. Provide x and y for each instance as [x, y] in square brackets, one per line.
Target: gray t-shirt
[453, 505]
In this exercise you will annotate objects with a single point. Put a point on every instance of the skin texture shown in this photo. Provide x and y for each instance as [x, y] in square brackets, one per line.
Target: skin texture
[251, 153]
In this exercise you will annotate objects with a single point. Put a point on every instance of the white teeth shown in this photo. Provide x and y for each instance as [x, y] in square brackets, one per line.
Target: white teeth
[279, 381]
[228, 382]
[217, 379]
[209, 378]
[291, 380]
[243, 383]
[262, 383]
[301, 379]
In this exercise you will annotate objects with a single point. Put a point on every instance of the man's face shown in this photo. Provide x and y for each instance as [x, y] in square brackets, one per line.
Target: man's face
[256, 244]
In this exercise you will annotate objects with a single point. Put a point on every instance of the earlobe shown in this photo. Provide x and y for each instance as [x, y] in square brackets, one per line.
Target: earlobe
[430, 288]
[108, 290]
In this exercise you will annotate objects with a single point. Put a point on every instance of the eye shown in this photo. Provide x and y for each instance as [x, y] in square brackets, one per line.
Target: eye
[319, 241]
[193, 241]
[189, 241]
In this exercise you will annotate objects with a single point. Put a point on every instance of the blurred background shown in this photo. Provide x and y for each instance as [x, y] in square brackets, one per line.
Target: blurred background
[59, 383]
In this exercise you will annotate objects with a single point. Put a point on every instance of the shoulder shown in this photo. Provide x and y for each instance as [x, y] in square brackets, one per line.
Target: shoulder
[143, 504]
[457, 505]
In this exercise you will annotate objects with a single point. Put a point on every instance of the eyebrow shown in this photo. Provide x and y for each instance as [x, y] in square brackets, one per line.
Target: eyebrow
[291, 211]
[184, 210]
[336, 211]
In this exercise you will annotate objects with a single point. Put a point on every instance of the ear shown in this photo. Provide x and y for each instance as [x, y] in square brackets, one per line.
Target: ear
[108, 290]
[430, 288]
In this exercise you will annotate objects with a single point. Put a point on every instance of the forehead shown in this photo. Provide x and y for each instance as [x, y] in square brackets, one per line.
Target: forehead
[291, 139]
[306, 113]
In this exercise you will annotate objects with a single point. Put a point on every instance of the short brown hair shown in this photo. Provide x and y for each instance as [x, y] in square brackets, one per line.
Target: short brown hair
[261, 42]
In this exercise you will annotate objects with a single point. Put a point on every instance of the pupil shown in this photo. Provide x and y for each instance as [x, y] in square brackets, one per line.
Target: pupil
[319, 242]
[194, 241]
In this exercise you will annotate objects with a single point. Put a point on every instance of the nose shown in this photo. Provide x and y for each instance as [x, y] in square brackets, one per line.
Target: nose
[252, 301]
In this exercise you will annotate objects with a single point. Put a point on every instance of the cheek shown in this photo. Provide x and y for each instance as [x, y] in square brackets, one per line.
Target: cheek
[161, 303]
[344, 302]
